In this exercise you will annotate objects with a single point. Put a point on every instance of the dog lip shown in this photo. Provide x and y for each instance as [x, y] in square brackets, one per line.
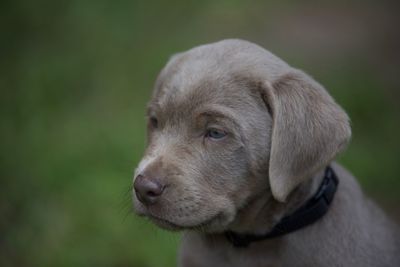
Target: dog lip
[163, 222]
[182, 227]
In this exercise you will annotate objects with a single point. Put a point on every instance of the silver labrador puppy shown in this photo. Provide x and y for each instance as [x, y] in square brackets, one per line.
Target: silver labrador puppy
[238, 148]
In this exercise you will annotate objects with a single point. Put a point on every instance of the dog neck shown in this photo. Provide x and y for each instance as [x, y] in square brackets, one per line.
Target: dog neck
[257, 220]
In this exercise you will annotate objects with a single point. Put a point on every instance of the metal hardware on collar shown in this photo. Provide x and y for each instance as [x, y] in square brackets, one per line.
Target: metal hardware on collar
[307, 214]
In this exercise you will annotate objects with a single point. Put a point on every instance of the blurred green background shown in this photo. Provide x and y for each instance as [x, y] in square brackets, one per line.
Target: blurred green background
[75, 77]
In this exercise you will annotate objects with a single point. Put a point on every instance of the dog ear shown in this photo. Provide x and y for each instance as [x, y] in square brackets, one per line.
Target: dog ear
[309, 129]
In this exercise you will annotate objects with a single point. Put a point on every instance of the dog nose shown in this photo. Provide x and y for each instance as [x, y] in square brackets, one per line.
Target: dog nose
[147, 190]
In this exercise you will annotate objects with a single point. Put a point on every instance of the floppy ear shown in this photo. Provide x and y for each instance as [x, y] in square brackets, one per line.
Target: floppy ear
[309, 129]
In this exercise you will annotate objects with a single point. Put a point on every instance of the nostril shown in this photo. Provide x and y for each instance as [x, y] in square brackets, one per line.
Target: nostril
[152, 194]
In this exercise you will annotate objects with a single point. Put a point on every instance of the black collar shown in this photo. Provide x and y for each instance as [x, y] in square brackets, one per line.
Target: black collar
[307, 214]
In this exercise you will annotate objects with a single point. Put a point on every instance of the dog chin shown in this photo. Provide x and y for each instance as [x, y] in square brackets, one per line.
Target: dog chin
[165, 224]
[215, 224]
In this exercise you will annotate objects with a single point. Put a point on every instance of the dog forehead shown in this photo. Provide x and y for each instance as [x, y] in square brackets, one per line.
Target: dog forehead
[195, 84]
[192, 72]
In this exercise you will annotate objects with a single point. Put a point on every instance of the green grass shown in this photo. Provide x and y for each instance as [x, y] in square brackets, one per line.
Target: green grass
[75, 77]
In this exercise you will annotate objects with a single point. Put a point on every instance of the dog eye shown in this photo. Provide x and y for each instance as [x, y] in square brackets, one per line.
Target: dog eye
[215, 134]
[154, 122]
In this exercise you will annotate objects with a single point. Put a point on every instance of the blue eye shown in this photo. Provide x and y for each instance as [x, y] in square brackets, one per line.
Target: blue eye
[215, 134]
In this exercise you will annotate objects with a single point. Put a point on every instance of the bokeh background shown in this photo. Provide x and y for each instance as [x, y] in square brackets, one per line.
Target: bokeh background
[75, 77]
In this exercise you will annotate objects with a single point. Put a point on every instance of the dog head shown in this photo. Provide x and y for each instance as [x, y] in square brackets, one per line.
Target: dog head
[228, 122]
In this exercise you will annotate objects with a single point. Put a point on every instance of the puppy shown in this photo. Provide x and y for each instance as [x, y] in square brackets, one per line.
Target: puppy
[240, 156]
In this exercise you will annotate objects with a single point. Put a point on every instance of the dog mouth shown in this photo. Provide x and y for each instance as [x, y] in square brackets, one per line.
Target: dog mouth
[215, 222]
[166, 224]
[172, 226]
